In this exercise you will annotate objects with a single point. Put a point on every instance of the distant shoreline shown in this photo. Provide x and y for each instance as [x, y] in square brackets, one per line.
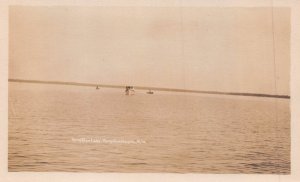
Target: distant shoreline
[150, 88]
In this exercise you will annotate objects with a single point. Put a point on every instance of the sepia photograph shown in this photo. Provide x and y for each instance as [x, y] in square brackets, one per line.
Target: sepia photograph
[140, 89]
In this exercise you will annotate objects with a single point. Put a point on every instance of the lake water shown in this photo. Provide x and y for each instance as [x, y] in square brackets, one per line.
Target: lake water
[81, 129]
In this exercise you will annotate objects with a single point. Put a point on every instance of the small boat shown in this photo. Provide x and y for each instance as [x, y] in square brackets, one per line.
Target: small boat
[150, 92]
[97, 87]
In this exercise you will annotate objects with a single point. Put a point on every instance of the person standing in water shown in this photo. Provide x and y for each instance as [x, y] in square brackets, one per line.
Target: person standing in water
[129, 90]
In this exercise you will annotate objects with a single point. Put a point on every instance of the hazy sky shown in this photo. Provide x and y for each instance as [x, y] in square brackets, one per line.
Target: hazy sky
[222, 49]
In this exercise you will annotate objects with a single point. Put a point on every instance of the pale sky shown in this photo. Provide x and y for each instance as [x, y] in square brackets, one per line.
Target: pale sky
[217, 49]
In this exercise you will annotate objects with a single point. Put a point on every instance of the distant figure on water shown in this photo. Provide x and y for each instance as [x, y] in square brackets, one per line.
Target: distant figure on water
[97, 87]
[129, 90]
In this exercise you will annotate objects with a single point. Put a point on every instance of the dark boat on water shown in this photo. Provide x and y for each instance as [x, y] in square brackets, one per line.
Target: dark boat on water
[150, 92]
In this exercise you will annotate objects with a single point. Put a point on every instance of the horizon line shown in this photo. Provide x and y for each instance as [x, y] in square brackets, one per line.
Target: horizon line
[150, 88]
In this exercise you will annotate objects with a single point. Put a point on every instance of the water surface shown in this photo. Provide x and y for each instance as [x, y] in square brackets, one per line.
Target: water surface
[181, 133]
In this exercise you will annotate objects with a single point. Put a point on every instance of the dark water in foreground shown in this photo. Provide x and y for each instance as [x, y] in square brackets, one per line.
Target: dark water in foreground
[51, 128]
